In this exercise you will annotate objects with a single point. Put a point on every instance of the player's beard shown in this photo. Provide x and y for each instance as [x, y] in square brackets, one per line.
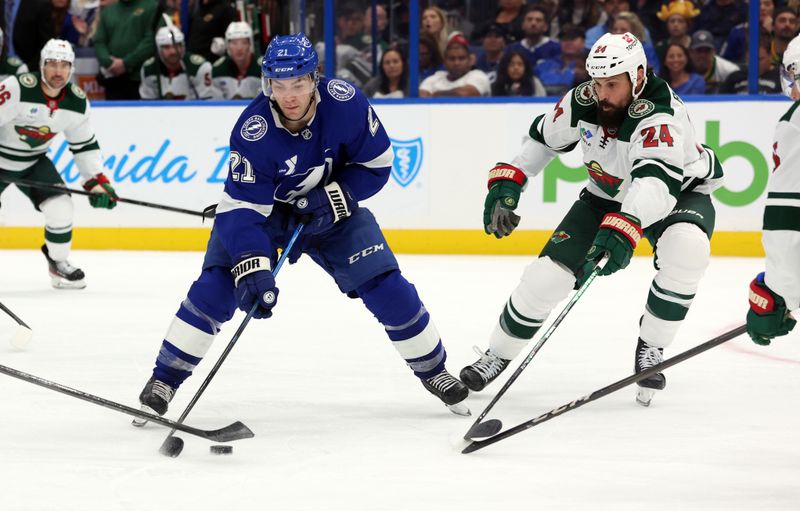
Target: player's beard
[611, 118]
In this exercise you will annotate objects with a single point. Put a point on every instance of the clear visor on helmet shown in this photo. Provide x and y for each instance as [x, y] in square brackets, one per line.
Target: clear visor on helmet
[288, 87]
[788, 78]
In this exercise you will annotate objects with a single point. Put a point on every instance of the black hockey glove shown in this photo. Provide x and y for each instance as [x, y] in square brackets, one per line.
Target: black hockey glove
[506, 183]
[768, 316]
[255, 284]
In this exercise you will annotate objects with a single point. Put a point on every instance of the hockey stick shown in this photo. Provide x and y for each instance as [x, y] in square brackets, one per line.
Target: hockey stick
[49, 186]
[235, 431]
[597, 394]
[23, 334]
[173, 445]
[481, 429]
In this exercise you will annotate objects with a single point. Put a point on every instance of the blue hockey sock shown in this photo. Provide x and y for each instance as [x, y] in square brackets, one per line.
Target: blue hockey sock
[395, 303]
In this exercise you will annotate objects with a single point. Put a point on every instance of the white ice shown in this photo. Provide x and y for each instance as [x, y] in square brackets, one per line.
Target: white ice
[341, 423]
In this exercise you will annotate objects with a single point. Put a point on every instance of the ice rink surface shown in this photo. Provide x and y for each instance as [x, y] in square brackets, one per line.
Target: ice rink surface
[342, 424]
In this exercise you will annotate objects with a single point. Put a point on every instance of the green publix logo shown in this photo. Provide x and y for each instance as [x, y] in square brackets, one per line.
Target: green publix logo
[557, 171]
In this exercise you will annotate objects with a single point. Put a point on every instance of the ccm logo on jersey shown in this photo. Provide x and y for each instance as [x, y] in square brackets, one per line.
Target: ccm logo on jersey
[364, 253]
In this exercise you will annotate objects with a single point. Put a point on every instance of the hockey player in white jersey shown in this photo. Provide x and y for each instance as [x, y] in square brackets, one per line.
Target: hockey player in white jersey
[238, 74]
[776, 292]
[34, 108]
[648, 177]
[176, 74]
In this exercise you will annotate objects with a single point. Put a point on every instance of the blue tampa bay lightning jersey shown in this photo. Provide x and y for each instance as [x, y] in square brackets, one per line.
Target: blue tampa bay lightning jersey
[344, 142]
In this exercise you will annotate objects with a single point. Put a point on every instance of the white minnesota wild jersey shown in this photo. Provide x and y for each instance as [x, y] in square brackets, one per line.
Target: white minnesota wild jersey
[193, 82]
[236, 85]
[781, 236]
[29, 121]
[645, 165]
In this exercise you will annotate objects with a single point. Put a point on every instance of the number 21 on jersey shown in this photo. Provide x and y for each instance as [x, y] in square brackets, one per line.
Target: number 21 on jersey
[248, 176]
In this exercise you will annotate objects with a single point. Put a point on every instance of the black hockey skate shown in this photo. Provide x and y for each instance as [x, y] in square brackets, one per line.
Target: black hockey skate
[62, 274]
[483, 372]
[646, 357]
[450, 390]
[155, 398]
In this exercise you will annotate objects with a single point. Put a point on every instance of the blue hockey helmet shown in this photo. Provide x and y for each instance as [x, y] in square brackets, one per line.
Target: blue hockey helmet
[289, 56]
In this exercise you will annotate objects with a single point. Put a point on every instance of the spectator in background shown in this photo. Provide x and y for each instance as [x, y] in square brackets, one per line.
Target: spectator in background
[176, 73]
[677, 71]
[536, 44]
[515, 77]
[610, 9]
[457, 79]
[350, 26]
[434, 23]
[784, 30]
[493, 44]
[706, 62]
[237, 75]
[210, 19]
[558, 74]
[582, 14]
[123, 41]
[392, 79]
[62, 23]
[383, 22]
[676, 15]
[719, 17]
[430, 59]
[769, 75]
[510, 15]
[735, 45]
[9, 65]
[30, 26]
[627, 21]
[85, 16]
[648, 10]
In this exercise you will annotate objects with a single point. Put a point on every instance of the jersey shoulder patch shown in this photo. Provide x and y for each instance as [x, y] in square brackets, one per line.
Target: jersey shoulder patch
[641, 108]
[28, 80]
[220, 61]
[78, 91]
[14, 61]
[340, 90]
[584, 94]
[197, 60]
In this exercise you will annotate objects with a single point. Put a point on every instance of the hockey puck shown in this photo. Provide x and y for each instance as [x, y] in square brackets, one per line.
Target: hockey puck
[221, 449]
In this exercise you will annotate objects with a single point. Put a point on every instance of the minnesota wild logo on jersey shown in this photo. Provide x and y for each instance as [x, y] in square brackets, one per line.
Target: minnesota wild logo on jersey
[34, 136]
[606, 182]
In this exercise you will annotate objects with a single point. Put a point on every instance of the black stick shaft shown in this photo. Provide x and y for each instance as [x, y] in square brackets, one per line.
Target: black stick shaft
[543, 339]
[49, 186]
[233, 340]
[13, 316]
[232, 432]
[597, 394]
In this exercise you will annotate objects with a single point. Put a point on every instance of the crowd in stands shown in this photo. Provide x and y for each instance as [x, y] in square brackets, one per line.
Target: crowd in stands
[487, 48]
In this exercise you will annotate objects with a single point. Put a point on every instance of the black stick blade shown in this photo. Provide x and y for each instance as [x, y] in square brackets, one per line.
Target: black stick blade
[235, 431]
[172, 447]
[484, 429]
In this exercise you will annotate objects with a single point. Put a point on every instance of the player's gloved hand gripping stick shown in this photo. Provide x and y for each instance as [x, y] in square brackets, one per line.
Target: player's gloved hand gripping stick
[173, 445]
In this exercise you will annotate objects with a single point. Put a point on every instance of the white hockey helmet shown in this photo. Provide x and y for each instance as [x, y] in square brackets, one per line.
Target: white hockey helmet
[790, 71]
[239, 30]
[57, 49]
[169, 35]
[615, 54]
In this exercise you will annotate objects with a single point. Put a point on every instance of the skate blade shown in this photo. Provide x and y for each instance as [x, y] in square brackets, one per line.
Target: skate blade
[460, 409]
[60, 283]
[139, 422]
[644, 396]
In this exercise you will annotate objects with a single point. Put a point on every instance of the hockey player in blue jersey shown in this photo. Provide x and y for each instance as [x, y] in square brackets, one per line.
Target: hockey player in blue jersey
[309, 147]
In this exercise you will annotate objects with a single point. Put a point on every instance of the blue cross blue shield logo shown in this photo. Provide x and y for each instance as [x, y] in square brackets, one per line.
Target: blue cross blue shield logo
[407, 160]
